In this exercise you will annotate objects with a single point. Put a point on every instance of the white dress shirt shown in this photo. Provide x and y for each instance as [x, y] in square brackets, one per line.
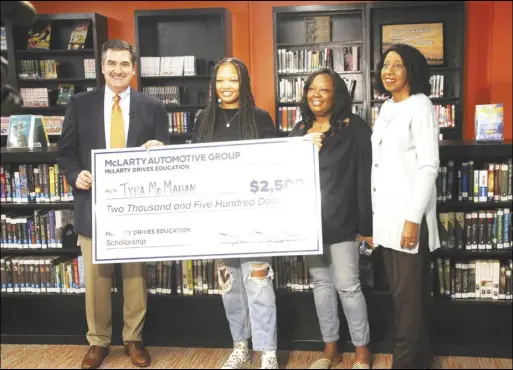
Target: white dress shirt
[108, 103]
[404, 170]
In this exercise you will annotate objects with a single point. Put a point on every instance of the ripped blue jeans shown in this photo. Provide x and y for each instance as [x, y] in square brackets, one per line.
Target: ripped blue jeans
[249, 302]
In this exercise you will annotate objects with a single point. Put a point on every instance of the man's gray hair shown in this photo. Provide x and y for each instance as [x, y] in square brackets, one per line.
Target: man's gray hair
[117, 44]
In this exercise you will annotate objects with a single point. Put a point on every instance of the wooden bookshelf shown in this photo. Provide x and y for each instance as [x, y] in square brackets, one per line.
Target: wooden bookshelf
[348, 29]
[70, 70]
[461, 327]
[452, 15]
[360, 25]
[202, 33]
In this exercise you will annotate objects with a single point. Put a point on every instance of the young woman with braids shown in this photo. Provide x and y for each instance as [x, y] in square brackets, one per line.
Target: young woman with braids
[246, 284]
[345, 158]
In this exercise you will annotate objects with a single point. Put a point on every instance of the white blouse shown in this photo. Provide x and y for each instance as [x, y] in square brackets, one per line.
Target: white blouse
[404, 170]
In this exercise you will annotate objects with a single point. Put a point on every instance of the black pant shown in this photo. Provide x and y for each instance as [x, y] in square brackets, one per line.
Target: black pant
[409, 280]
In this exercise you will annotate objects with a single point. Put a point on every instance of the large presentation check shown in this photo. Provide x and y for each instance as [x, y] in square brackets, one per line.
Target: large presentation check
[237, 199]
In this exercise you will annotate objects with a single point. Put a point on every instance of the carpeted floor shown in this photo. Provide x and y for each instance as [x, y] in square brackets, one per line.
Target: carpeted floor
[69, 357]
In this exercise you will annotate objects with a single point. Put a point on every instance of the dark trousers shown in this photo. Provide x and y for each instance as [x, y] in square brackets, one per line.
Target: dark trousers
[409, 280]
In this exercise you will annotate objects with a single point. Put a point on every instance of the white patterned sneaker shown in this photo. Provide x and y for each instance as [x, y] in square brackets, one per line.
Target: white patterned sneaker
[269, 360]
[239, 358]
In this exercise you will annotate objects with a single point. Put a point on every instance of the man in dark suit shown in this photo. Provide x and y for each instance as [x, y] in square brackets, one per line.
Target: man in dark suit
[111, 117]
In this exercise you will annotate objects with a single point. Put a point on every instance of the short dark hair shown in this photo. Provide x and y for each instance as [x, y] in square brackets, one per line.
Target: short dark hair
[117, 44]
[342, 101]
[418, 71]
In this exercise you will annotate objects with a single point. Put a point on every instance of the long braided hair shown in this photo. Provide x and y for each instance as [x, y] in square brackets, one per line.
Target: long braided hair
[246, 117]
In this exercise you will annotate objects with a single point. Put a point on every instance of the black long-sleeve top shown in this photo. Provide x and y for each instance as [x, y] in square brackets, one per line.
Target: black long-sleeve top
[345, 178]
[222, 133]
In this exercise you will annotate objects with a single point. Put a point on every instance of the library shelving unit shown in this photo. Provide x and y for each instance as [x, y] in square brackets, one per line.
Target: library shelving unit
[205, 35]
[467, 327]
[450, 17]
[355, 32]
[296, 55]
[70, 69]
[473, 327]
[70, 65]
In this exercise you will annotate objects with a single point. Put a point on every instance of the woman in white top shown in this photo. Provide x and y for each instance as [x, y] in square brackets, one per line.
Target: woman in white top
[404, 170]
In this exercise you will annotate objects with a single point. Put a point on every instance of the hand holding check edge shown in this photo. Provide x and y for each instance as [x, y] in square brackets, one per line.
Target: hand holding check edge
[85, 178]
[315, 138]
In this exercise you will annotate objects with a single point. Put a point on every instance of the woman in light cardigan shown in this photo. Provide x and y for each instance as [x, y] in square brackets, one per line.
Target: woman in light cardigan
[404, 171]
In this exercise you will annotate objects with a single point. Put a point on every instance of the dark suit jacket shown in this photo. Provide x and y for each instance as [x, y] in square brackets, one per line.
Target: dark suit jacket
[84, 130]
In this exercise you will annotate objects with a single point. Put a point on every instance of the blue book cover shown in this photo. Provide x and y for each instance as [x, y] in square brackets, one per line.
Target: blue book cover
[489, 122]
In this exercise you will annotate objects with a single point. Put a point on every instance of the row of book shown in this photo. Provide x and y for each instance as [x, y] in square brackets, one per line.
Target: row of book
[38, 183]
[288, 117]
[475, 279]
[44, 275]
[445, 115]
[33, 274]
[50, 69]
[180, 122]
[35, 97]
[40, 97]
[469, 182]
[44, 229]
[477, 230]
[166, 94]
[291, 89]
[52, 124]
[339, 59]
[89, 68]
[3, 38]
[168, 66]
[437, 86]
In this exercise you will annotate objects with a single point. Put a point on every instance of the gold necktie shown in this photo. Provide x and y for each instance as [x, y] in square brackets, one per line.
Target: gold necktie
[117, 127]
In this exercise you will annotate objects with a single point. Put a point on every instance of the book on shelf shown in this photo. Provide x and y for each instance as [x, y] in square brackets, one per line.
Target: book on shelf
[437, 86]
[168, 66]
[487, 280]
[199, 277]
[318, 29]
[26, 131]
[38, 69]
[34, 97]
[78, 35]
[89, 68]
[4, 128]
[64, 93]
[33, 184]
[489, 122]
[45, 275]
[52, 124]
[304, 60]
[485, 230]
[3, 38]
[468, 182]
[166, 94]
[43, 229]
[346, 58]
[39, 37]
[180, 122]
